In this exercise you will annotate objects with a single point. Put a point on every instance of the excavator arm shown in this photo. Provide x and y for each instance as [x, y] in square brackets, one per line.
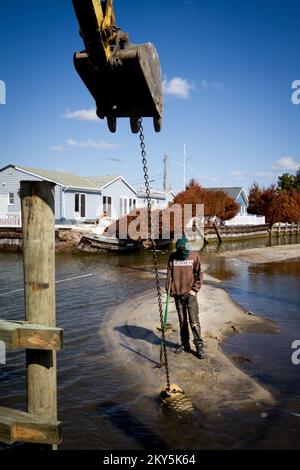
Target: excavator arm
[124, 79]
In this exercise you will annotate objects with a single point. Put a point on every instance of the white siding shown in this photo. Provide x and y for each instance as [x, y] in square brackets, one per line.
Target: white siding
[117, 190]
[10, 179]
[93, 202]
[156, 203]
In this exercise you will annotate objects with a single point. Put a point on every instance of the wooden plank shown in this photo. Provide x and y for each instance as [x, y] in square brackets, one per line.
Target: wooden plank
[18, 426]
[18, 335]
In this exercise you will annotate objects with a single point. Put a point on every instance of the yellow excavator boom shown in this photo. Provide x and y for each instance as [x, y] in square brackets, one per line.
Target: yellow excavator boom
[105, 20]
[124, 79]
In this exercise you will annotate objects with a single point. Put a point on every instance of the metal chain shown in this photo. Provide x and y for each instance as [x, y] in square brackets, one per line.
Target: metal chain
[154, 252]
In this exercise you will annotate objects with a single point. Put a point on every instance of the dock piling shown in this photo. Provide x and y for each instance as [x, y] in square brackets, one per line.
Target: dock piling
[39, 336]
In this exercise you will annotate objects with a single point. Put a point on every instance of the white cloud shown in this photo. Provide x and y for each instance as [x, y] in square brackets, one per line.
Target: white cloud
[84, 144]
[215, 85]
[179, 87]
[91, 144]
[286, 163]
[205, 85]
[81, 115]
[56, 148]
[237, 175]
[264, 174]
[72, 143]
[212, 179]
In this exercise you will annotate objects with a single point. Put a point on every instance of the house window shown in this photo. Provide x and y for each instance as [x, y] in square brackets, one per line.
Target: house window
[126, 205]
[80, 205]
[132, 204]
[107, 204]
[11, 198]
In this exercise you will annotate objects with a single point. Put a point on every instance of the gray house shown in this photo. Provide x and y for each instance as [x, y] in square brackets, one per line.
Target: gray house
[159, 199]
[77, 198]
[239, 195]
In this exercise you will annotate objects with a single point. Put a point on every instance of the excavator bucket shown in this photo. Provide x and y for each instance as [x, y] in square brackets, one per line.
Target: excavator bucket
[125, 81]
[130, 88]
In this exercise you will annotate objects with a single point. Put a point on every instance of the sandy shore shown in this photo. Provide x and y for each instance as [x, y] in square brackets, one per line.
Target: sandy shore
[264, 255]
[216, 382]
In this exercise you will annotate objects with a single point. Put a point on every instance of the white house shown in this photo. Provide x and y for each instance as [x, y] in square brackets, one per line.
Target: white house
[159, 199]
[239, 195]
[77, 198]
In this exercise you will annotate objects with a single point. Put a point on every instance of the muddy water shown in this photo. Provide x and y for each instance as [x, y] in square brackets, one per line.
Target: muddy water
[101, 407]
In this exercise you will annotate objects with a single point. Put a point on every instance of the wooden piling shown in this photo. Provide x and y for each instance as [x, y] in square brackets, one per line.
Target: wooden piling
[37, 202]
[218, 233]
[38, 334]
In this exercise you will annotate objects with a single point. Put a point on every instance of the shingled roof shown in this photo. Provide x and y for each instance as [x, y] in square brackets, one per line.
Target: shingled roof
[68, 179]
[232, 192]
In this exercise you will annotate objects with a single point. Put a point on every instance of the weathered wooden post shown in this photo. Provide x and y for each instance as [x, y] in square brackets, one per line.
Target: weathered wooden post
[38, 334]
[218, 233]
[38, 216]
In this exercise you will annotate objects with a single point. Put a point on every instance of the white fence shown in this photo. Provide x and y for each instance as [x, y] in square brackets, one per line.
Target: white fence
[246, 220]
[282, 227]
[11, 220]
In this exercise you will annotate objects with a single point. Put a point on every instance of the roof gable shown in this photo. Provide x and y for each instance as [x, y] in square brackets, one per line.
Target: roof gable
[232, 192]
[101, 181]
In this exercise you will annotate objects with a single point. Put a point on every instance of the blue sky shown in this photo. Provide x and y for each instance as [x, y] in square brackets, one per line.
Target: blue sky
[228, 67]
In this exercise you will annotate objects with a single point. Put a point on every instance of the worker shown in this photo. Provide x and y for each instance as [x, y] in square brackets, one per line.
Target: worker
[184, 279]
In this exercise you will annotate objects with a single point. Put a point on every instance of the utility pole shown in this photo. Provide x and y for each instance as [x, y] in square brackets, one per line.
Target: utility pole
[184, 165]
[165, 183]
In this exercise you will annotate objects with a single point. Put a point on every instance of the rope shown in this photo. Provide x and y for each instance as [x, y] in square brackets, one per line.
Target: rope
[154, 252]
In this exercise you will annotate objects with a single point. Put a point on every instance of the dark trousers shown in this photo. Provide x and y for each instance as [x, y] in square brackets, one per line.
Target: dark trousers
[188, 309]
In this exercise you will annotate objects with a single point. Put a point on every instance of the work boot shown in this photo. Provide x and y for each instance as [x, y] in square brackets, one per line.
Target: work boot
[200, 353]
[183, 348]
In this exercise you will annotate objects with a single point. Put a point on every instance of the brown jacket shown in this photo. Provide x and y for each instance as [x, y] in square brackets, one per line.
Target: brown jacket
[184, 275]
